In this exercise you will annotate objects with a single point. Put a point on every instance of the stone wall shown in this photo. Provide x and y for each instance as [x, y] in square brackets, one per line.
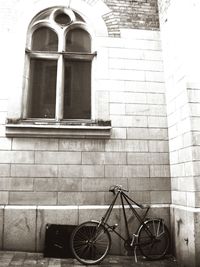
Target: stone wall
[55, 180]
[181, 62]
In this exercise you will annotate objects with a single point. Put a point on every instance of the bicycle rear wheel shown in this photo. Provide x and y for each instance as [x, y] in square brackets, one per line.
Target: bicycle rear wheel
[90, 242]
[154, 239]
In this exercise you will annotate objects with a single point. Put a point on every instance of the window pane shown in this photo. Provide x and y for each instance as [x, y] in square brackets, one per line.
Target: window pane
[42, 88]
[44, 39]
[77, 100]
[78, 40]
[62, 19]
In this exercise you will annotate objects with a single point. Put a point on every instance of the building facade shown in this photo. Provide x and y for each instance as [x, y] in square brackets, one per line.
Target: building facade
[96, 93]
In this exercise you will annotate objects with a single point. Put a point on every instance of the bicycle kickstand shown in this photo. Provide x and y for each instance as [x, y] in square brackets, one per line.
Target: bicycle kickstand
[135, 253]
[135, 247]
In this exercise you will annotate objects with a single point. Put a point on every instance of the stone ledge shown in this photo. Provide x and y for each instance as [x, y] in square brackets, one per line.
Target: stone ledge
[59, 130]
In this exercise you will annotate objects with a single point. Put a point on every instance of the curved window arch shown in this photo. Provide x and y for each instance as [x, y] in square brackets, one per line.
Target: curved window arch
[58, 84]
[44, 39]
[78, 40]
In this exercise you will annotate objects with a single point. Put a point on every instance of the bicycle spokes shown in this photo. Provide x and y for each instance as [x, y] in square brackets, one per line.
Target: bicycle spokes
[153, 239]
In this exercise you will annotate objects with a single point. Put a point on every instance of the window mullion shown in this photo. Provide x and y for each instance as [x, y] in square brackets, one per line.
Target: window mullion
[60, 89]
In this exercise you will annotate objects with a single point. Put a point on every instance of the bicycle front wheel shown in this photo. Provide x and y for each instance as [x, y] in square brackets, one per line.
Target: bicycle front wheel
[154, 239]
[90, 242]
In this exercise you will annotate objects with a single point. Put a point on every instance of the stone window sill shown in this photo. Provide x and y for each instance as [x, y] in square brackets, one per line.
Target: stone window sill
[63, 129]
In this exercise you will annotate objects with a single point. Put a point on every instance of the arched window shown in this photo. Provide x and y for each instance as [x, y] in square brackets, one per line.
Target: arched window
[58, 84]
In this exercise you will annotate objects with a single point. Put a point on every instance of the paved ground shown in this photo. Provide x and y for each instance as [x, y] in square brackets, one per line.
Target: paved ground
[23, 259]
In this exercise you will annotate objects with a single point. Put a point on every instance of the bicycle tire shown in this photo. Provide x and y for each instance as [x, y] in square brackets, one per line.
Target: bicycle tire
[90, 242]
[154, 246]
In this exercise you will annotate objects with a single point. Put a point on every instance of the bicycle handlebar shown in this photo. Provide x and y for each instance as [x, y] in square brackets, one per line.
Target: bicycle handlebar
[115, 188]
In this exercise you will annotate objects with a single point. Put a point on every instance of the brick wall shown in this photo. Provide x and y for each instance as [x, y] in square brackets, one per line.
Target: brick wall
[132, 14]
[129, 88]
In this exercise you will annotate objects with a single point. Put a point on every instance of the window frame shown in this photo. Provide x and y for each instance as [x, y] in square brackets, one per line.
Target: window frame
[60, 56]
[58, 127]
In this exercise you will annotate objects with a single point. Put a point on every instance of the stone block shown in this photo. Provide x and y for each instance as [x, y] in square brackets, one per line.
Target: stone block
[127, 75]
[158, 146]
[1, 226]
[57, 184]
[103, 158]
[69, 171]
[126, 54]
[144, 110]
[2, 130]
[155, 87]
[154, 76]
[142, 197]
[127, 97]
[81, 145]
[159, 171]
[197, 235]
[128, 121]
[118, 133]
[185, 154]
[5, 143]
[153, 55]
[160, 197]
[3, 116]
[160, 184]
[136, 64]
[196, 168]
[138, 184]
[148, 158]
[183, 229]
[92, 171]
[19, 228]
[140, 34]
[188, 168]
[136, 171]
[81, 198]
[153, 44]
[117, 109]
[102, 185]
[114, 171]
[21, 170]
[19, 184]
[192, 199]
[3, 198]
[4, 170]
[155, 98]
[179, 198]
[22, 157]
[32, 198]
[35, 144]
[196, 152]
[147, 133]
[102, 73]
[126, 145]
[102, 105]
[44, 157]
[53, 215]
[109, 85]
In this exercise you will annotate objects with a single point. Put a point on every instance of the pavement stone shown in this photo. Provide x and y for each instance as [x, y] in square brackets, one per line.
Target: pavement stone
[27, 259]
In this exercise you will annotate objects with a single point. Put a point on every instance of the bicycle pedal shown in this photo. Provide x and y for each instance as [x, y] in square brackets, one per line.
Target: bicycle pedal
[113, 227]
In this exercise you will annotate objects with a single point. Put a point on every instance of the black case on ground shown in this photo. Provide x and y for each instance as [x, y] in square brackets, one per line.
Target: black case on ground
[57, 241]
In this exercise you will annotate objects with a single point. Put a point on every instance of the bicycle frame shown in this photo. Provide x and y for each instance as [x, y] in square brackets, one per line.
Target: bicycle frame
[125, 198]
[93, 237]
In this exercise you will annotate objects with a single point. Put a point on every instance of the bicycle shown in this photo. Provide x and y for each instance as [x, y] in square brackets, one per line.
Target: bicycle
[91, 240]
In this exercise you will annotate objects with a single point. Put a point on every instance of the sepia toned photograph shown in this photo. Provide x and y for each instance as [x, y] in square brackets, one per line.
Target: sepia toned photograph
[100, 133]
